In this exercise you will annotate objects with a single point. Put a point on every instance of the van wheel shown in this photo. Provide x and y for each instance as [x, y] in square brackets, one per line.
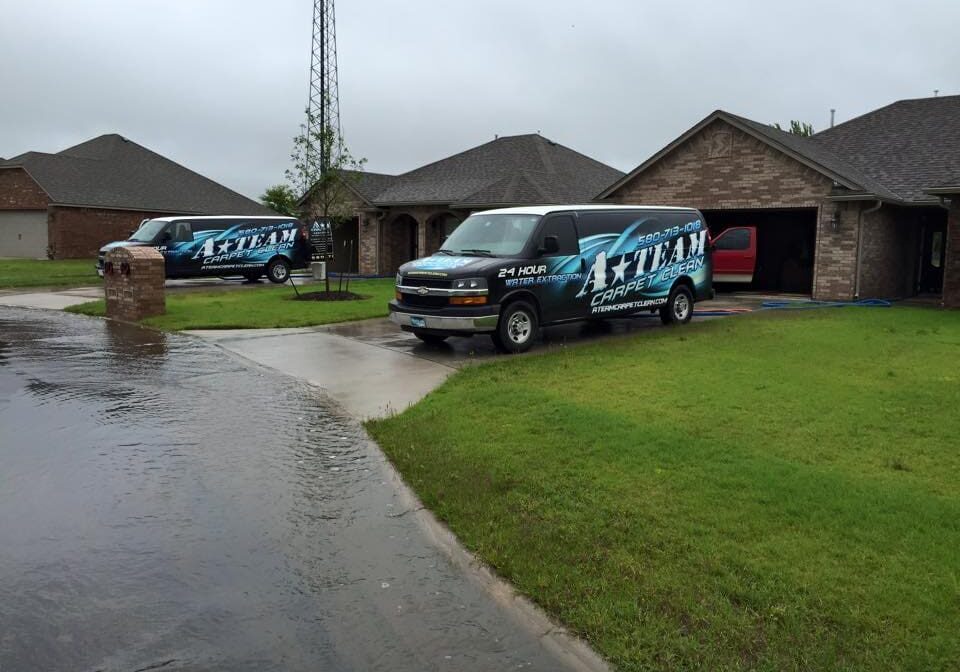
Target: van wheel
[679, 307]
[278, 270]
[518, 328]
[430, 339]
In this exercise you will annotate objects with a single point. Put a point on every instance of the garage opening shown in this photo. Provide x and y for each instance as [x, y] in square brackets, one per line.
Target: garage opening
[785, 249]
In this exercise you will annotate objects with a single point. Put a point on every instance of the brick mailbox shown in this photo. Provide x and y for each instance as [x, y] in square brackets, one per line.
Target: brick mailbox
[133, 279]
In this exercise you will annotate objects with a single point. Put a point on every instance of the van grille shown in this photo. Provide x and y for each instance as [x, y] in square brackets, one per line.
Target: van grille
[432, 283]
[425, 301]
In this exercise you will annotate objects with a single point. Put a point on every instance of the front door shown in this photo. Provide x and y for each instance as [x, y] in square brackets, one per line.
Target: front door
[930, 276]
[559, 271]
[175, 243]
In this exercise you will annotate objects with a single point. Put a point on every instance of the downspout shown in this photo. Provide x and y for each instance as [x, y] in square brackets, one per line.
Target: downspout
[856, 288]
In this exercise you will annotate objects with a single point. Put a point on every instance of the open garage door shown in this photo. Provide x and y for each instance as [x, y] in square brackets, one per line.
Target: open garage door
[23, 233]
[786, 245]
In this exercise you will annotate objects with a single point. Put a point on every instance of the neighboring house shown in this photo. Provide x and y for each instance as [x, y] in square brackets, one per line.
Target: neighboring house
[68, 204]
[869, 208]
[402, 217]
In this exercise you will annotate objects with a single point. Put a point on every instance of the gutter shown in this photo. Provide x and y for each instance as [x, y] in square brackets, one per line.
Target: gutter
[856, 285]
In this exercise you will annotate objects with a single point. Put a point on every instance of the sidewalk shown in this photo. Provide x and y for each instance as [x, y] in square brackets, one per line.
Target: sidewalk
[368, 380]
[50, 299]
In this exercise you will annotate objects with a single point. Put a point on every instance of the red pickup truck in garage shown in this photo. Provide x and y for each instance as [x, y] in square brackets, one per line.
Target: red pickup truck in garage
[735, 255]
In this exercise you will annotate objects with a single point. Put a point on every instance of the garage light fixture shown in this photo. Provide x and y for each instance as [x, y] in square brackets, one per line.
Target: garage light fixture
[835, 217]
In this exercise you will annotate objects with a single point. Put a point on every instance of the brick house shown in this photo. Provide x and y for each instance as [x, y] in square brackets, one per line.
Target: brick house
[68, 204]
[867, 209]
[397, 218]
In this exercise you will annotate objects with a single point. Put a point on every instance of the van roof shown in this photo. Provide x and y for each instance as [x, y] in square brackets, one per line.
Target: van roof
[241, 217]
[547, 209]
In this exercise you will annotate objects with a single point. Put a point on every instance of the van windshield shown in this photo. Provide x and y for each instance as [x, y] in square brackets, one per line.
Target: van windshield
[147, 232]
[491, 235]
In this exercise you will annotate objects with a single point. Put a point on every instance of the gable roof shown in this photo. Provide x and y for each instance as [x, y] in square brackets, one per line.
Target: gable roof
[908, 146]
[111, 171]
[893, 153]
[366, 185]
[512, 170]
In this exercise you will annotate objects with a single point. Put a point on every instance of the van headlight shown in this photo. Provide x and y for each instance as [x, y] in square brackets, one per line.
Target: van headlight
[399, 279]
[470, 283]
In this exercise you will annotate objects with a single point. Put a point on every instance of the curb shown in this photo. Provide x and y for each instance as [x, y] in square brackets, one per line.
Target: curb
[566, 646]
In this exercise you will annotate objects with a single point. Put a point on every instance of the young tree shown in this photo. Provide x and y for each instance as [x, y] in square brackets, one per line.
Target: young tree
[282, 199]
[325, 189]
[800, 128]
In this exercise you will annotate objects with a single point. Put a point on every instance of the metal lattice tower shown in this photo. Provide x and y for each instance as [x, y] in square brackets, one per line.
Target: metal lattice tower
[323, 110]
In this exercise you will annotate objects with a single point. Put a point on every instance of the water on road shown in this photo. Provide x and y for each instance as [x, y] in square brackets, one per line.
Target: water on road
[166, 506]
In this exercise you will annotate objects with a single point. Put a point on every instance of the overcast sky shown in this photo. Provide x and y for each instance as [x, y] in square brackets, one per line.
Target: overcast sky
[221, 85]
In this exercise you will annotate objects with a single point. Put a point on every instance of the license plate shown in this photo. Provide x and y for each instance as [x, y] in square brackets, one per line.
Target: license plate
[417, 322]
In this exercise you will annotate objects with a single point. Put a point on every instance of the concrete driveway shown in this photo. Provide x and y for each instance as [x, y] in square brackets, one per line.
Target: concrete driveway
[374, 369]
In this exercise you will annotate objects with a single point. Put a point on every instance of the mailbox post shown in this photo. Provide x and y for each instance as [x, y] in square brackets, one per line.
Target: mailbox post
[133, 283]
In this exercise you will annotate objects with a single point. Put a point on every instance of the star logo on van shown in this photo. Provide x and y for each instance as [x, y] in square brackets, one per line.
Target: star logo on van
[224, 247]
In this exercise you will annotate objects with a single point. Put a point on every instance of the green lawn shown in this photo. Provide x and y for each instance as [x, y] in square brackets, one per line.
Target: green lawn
[262, 307]
[16, 273]
[774, 492]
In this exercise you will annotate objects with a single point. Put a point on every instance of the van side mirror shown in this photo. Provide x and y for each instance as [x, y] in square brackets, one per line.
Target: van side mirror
[550, 245]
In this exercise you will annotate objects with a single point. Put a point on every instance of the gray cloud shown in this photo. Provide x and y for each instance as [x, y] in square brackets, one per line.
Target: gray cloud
[220, 85]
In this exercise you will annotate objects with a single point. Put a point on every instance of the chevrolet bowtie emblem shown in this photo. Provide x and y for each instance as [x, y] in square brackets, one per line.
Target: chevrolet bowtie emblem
[422, 290]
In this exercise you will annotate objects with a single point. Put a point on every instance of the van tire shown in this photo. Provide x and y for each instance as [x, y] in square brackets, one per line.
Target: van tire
[679, 306]
[430, 339]
[278, 270]
[517, 329]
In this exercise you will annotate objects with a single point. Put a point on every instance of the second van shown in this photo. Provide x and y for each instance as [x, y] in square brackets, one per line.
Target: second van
[223, 246]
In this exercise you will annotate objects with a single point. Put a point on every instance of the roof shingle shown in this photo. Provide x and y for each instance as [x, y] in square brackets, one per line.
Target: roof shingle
[907, 146]
[893, 153]
[512, 170]
[111, 171]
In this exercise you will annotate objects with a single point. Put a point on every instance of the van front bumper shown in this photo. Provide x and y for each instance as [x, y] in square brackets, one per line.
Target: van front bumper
[466, 320]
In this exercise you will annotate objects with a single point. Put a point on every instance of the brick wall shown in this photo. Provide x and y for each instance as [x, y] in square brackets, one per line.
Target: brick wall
[369, 241]
[76, 233]
[18, 191]
[888, 254]
[722, 167]
[951, 269]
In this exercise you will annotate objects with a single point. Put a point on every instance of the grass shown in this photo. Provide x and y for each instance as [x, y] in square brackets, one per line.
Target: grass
[772, 492]
[17, 273]
[261, 307]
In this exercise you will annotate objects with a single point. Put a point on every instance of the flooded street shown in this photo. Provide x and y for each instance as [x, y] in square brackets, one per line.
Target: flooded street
[163, 505]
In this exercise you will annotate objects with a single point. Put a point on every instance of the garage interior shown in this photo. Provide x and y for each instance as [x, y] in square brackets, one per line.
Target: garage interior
[786, 247]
